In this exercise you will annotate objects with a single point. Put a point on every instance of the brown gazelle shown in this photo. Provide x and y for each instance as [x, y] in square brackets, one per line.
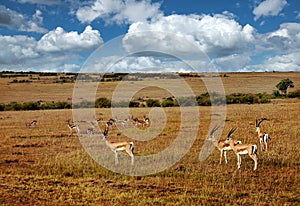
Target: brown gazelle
[32, 123]
[72, 127]
[145, 121]
[242, 149]
[263, 136]
[116, 147]
[221, 145]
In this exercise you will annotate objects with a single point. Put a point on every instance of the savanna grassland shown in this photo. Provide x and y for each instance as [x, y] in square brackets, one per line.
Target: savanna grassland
[45, 165]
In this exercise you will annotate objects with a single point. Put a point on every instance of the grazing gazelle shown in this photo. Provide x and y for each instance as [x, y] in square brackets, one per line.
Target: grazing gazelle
[242, 149]
[72, 127]
[143, 122]
[32, 123]
[221, 145]
[116, 147]
[263, 136]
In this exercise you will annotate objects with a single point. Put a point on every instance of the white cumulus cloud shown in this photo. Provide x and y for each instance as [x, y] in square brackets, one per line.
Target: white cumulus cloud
[60, 40]
[57, 50]
[15, 49]
[13, 19]
[286, 62]
[285, 39]
[119, 11]
[269, 8]
[214, 35]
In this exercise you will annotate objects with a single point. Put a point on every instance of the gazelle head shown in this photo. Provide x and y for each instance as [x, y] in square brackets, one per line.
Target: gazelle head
[211, 134]
[229, 136]
[105, 133]
[258, 122]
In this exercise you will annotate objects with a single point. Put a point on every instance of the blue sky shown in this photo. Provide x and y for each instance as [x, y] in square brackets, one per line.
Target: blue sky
[59, 35]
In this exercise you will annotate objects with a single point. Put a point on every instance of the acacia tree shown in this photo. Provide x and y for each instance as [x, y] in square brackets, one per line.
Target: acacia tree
[284, 84]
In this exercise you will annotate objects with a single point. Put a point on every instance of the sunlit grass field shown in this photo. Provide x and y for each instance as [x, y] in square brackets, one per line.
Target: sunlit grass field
[44, 165]
[45, 90]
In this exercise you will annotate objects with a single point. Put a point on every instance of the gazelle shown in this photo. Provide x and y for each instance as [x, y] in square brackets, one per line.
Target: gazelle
[116, 147]
[146, 120]
[242, 149]
[111, 122]
[124, 122]
[72, 127]
[143, 122]
[221, 145]
[32, 123]
[263, 136]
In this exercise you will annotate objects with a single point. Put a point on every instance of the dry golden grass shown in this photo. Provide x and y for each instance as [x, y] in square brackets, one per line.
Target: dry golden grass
[46, 90]
[43, 165]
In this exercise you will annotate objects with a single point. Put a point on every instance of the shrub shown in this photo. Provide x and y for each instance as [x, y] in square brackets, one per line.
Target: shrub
[295, 94]
[13, 106]
[187, 101]
[169, 102]
[102, 102]
[203, 99]
[152, 103]
[134, 104]
[2, 106]
[276, 94]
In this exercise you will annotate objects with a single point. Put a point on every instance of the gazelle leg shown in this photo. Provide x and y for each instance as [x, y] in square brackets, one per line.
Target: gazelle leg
[239, 161]
[225, 156]
[254, 157]
[266, 141]
[132, 159]
[261, 144]
[129, 152]
[116, 157]
[221, 156]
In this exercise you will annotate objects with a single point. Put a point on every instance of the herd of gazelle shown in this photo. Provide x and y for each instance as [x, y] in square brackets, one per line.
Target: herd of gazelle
[223, 145]
[116, 147]
[237, 146]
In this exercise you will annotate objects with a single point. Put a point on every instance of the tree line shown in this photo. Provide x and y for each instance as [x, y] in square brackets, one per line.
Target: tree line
[204, 99]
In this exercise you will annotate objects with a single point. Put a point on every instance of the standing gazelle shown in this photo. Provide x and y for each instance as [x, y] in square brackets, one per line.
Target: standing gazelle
[116, 147]
[221, 145]
[263, 136]
[32, 123]
[72, 127]
[242, 149]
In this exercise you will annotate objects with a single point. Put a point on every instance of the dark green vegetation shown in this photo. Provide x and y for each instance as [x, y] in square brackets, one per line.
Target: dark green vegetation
[202, 100]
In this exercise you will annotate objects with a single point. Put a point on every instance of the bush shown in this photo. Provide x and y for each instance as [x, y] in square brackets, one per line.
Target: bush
[152, 103]
[31, 106]
[84, 104]
[276, 94]
[102, 102]
[13, 106]
[134, 104]
[295, 94]
[187, 101]
[239, 98]
[203, 99]
[2, 106]
[169, 102]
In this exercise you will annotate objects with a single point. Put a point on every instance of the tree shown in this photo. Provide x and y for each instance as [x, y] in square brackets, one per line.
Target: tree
[284, 84]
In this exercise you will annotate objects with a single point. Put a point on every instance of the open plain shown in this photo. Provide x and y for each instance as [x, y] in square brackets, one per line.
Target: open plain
[45, 165]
